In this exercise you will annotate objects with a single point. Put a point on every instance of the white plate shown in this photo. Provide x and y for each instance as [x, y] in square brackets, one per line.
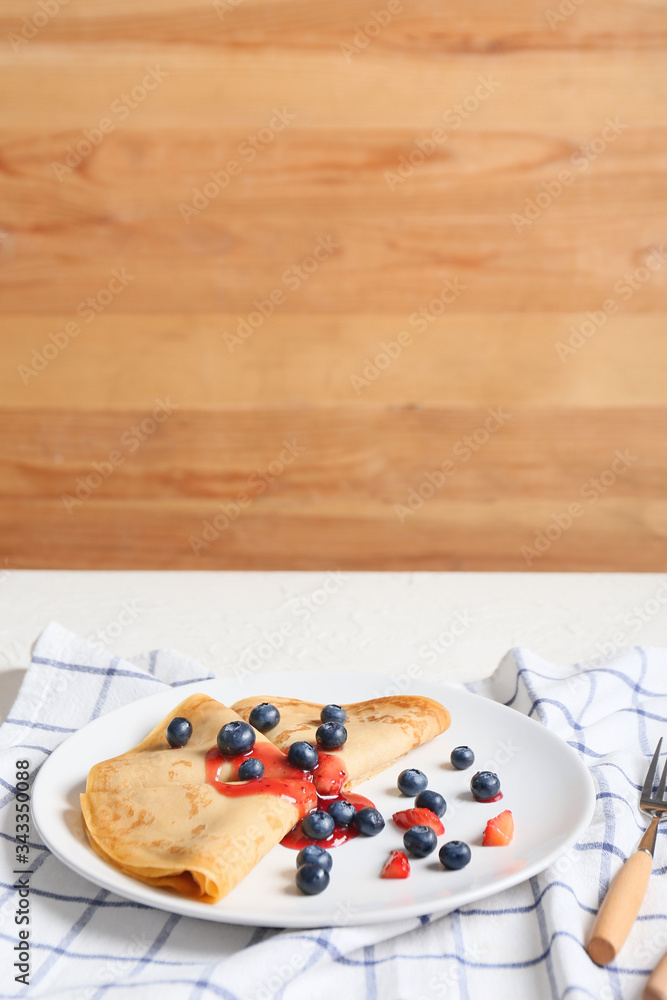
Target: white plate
[548, 789]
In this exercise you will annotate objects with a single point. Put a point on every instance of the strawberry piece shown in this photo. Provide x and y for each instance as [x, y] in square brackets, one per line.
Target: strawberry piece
[396, 866]
[499, 830]
[418, 817]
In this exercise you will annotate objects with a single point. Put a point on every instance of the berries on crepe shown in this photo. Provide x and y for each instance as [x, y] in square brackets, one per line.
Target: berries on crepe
[303, 755]
[331, 736]
[179, 731]
[251, 768]
[343, 812]
[264, 717]
[236, 738]
[317, 825]
[333, 713]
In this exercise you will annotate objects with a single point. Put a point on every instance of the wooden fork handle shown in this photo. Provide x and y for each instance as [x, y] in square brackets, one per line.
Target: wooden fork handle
[656, 987]
[620, 908]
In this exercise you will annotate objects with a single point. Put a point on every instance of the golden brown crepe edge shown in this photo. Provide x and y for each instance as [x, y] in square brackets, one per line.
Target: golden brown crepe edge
[198, 879]
[194, 885]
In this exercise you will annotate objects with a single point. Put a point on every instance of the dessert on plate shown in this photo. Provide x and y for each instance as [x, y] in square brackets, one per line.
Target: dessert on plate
[180, 817]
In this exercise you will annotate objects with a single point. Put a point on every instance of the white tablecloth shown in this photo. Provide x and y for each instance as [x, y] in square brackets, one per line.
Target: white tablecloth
[86, 943]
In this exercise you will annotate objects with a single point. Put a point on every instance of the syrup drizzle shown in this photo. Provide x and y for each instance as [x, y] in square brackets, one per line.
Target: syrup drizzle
[308, 790]
[290, 783]
[296, 838]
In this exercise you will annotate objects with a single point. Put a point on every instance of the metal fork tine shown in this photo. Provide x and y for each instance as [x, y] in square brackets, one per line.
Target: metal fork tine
[650, 774]
[660, 794]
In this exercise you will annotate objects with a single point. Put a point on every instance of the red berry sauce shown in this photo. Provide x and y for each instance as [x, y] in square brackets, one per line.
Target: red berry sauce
[288, 783]
[276, 764]
[296, 838]
[308, 790]
[496, 798]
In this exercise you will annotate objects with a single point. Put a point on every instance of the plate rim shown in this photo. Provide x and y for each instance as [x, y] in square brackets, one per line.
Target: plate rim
[153, 897]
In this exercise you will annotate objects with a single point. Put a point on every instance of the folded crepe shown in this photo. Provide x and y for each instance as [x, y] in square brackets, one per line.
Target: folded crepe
[153, 762]
[166, 817]
[190, 838]
[379, 731]
[179, 818]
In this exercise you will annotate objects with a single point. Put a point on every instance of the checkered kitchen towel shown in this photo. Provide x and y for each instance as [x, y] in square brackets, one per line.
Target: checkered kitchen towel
[88, 943]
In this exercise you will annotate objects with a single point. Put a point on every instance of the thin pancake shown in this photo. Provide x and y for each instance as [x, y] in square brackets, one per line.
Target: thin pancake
[380, 731]
[190, 838]
[152, 813]
[153, 762]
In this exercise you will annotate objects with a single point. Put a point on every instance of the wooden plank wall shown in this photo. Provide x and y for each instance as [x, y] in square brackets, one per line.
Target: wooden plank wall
[286, 284]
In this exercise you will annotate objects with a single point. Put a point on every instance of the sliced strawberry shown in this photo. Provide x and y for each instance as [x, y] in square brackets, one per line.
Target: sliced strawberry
[396, 866]
[418, 817]
[499, 830]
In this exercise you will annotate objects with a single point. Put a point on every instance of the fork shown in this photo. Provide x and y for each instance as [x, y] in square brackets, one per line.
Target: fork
[625, 894]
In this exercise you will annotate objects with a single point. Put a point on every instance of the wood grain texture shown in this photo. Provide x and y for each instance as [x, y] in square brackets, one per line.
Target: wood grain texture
[353, 536]
[346, 452]
[461, 360]
[514, 261]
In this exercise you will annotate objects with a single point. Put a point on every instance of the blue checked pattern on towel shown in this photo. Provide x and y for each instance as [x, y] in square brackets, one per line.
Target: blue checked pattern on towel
[88, 944]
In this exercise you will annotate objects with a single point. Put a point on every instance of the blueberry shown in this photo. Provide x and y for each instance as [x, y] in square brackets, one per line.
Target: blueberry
[251, 768]
[313, 854]
[484, 785]
[431, 800]
[264, 717]
[461, 758]
[303, 755]
[412, 781]
[454, 855]
[331, 736]
[369, 821]
[343, 812]
[420, 840]
[317, 825]
[236, 738]
[312, 879]
[333, 713]
[179, 731]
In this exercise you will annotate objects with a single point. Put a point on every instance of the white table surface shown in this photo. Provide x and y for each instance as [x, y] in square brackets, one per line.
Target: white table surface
[433, 626]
